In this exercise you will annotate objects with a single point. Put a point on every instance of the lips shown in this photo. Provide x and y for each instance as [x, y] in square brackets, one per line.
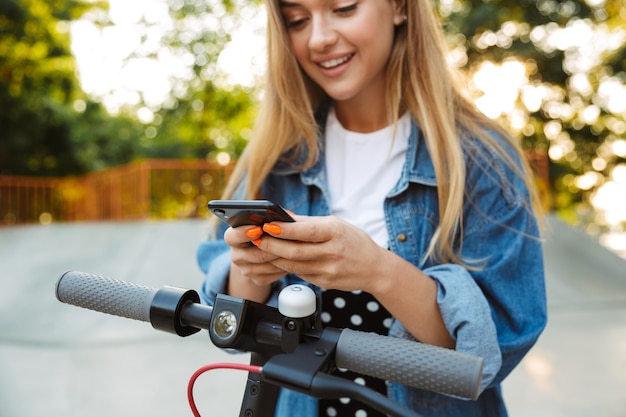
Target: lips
[332, 63]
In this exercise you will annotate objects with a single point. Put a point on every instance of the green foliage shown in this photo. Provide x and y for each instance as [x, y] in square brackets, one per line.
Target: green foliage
[42, 131]
[211, 121]
[572, 52]
[200, 119]
[35, 136]
[49, 126]
[100, 140]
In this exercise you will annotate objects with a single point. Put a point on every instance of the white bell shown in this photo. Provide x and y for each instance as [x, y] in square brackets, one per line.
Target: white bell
[297, 301]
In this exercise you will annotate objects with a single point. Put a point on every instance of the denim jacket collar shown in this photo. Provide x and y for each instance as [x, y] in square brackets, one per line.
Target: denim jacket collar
[418, 166]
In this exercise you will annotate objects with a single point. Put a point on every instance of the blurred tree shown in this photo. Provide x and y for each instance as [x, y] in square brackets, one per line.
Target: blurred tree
[214, 115]
[562, 64]
[205, 117]
[50, 126]
[46, 122]
[569, 101]
[197, 113]
[213, 123]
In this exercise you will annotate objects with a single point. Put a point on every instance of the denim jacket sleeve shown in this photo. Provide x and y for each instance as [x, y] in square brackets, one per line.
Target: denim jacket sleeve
[213, 257]
[502, 237]
[497, 309]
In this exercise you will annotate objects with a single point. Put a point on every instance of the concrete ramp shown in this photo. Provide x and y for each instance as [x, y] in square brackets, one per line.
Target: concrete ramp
[578, 367]
[61, 361]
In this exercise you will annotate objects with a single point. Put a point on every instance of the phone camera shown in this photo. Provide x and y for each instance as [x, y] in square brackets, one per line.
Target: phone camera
[220, 212]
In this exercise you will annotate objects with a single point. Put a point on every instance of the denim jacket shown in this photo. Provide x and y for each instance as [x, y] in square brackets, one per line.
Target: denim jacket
[496, 312]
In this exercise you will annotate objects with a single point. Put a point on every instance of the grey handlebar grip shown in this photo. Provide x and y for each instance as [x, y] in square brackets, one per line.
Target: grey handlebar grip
[106, 295]
[410, 363]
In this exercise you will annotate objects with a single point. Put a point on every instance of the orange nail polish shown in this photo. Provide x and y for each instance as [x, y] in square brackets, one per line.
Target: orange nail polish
[254, 232]
[272, 228]
[256, 242]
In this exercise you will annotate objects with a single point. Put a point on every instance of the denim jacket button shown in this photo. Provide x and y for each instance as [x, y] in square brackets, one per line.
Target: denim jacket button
[401, 237]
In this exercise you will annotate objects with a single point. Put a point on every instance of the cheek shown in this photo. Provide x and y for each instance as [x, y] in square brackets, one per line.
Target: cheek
[299, 48]
[301, 53]
[380, 46]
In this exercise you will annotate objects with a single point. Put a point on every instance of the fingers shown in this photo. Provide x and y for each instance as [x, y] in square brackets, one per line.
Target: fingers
[256, 265]
[306, 229]
[253, 263]
[311, 246]
[261, 274]
[310, 240]
[275, 249]
[238, 236]
[251, 254]
[325, 251]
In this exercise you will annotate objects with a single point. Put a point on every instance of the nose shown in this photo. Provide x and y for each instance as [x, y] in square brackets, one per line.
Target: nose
[323, 34]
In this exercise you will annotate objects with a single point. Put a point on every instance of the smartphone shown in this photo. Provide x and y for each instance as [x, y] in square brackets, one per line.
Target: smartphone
[248, 212]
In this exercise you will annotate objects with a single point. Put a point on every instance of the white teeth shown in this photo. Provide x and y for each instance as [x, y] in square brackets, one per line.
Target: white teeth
[334, 62]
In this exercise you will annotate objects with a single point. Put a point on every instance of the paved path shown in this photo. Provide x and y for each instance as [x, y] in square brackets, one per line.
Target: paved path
[578, 367]
[60, 361]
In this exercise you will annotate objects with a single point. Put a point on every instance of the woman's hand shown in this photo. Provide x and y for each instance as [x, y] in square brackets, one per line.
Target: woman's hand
[333, 254]
[325, 251]
[251, 272]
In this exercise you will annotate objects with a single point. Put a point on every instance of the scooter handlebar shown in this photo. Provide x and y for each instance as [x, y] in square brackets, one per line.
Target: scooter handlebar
[410, 363]
[106, 295]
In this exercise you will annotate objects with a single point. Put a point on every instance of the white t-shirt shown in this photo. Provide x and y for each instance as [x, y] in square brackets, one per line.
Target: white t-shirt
[362, 168]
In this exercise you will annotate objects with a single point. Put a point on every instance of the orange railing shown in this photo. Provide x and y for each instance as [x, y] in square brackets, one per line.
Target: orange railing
[155, 188]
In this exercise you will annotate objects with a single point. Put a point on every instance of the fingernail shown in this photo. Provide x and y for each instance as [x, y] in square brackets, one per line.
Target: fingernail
[272, 228]
[253, 232]
[256, 242]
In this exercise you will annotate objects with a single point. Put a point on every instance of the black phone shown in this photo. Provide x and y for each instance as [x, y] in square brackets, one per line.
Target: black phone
[248, 212]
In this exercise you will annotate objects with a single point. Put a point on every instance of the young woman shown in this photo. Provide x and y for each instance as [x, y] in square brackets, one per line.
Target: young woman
[415, 214]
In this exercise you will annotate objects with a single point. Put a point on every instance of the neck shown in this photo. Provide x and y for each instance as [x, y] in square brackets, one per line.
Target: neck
[362, 117]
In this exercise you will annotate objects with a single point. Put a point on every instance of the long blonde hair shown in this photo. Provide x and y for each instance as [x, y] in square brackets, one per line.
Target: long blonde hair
[419, 80]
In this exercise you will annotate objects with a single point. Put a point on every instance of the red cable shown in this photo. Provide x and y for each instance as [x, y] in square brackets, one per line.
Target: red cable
[206, 368]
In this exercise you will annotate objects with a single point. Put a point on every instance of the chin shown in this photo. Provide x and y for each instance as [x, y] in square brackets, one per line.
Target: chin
[340, 95]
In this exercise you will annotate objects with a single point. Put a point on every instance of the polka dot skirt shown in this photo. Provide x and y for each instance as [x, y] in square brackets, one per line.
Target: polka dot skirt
[359, 311]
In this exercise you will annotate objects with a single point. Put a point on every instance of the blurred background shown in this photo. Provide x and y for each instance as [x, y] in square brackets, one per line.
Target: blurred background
[118, 115]
[86, 86]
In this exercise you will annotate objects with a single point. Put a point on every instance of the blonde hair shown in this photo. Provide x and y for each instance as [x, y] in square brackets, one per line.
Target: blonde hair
[419, 80]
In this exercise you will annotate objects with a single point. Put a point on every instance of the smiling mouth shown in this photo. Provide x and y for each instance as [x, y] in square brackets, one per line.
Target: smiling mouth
[335, 62]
